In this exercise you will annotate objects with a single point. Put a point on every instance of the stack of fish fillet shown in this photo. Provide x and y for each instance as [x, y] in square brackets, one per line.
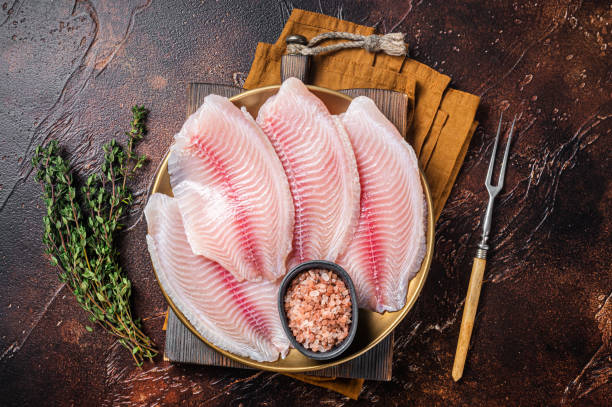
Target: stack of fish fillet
[254, 198]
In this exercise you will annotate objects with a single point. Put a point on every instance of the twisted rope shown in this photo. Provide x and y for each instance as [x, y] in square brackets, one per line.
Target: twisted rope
[392, 44]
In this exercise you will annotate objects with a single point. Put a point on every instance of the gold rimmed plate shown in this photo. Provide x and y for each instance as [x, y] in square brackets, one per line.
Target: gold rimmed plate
[373, 327]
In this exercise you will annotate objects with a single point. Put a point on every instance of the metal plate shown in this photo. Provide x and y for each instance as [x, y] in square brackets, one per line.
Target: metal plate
[373, 327]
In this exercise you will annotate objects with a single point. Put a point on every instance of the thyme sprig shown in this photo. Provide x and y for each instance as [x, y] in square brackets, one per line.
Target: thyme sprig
[80, 231]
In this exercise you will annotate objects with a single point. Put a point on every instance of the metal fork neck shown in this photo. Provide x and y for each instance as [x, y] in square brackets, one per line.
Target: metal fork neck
[481, 253]
[483, 247]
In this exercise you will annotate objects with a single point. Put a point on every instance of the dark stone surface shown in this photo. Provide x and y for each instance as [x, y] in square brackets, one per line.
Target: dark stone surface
[543, 335]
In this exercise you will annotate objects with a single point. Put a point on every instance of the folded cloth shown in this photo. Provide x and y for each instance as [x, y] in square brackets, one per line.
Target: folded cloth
[348, 387]
[442, 122]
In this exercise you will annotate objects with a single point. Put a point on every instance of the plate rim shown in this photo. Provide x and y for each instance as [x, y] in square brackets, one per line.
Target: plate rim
[269, 366]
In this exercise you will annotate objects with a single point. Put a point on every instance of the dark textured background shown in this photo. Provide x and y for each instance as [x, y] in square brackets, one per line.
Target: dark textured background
[71, 70]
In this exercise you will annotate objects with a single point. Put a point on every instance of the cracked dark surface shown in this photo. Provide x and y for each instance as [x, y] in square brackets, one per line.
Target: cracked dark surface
[71, 70]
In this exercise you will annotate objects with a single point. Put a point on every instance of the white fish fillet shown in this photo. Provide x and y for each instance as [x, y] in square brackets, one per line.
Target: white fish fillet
[232, 191]
[240, 317]
[389, 243]
[320, 166]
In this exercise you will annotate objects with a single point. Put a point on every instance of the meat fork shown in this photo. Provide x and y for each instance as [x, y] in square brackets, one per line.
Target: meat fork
[480, 261]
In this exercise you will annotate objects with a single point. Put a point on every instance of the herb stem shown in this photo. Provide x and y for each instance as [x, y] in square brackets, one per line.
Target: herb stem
[80, 242]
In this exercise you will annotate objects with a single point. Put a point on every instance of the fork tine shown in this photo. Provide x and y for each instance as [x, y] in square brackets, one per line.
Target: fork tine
[502, 171]
[492, 161]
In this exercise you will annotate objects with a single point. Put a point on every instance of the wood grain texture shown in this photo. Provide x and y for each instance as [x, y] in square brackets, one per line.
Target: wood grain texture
[71, 70]
[396, 106]
[469, 314]
[196, 92]
[182, 346]
[295, 66]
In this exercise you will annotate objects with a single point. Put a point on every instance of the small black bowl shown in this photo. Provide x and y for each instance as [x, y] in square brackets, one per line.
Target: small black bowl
[325, 265]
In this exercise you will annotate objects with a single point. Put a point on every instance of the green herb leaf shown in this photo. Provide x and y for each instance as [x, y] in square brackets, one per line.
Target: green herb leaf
[79, 228]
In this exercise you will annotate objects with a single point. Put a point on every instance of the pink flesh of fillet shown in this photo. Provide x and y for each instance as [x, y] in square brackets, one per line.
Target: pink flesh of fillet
[389, 243]
[232, 191]
[320, 166]
[238, 316]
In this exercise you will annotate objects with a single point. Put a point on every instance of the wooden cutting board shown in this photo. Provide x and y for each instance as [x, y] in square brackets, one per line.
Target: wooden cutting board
[182, 346]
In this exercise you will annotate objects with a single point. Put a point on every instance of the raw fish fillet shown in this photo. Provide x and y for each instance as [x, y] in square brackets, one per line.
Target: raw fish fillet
[238, 316]
[232, 191]
[320, 166]
[389, 243]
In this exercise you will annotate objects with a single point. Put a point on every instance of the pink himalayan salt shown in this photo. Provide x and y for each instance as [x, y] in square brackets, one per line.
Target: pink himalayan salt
[318, 308]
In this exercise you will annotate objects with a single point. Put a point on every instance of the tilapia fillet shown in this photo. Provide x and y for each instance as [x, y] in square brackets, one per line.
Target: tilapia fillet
[238, 316]
[232, 191]
[389, 243]
[320, 166]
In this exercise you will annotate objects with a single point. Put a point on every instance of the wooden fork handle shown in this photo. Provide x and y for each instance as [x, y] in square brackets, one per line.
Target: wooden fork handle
[469, 313]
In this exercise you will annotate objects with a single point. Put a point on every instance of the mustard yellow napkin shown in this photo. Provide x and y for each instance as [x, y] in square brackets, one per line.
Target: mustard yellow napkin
[348, 387]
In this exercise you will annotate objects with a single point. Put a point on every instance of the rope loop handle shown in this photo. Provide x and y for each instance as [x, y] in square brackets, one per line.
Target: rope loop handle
[391, 44]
